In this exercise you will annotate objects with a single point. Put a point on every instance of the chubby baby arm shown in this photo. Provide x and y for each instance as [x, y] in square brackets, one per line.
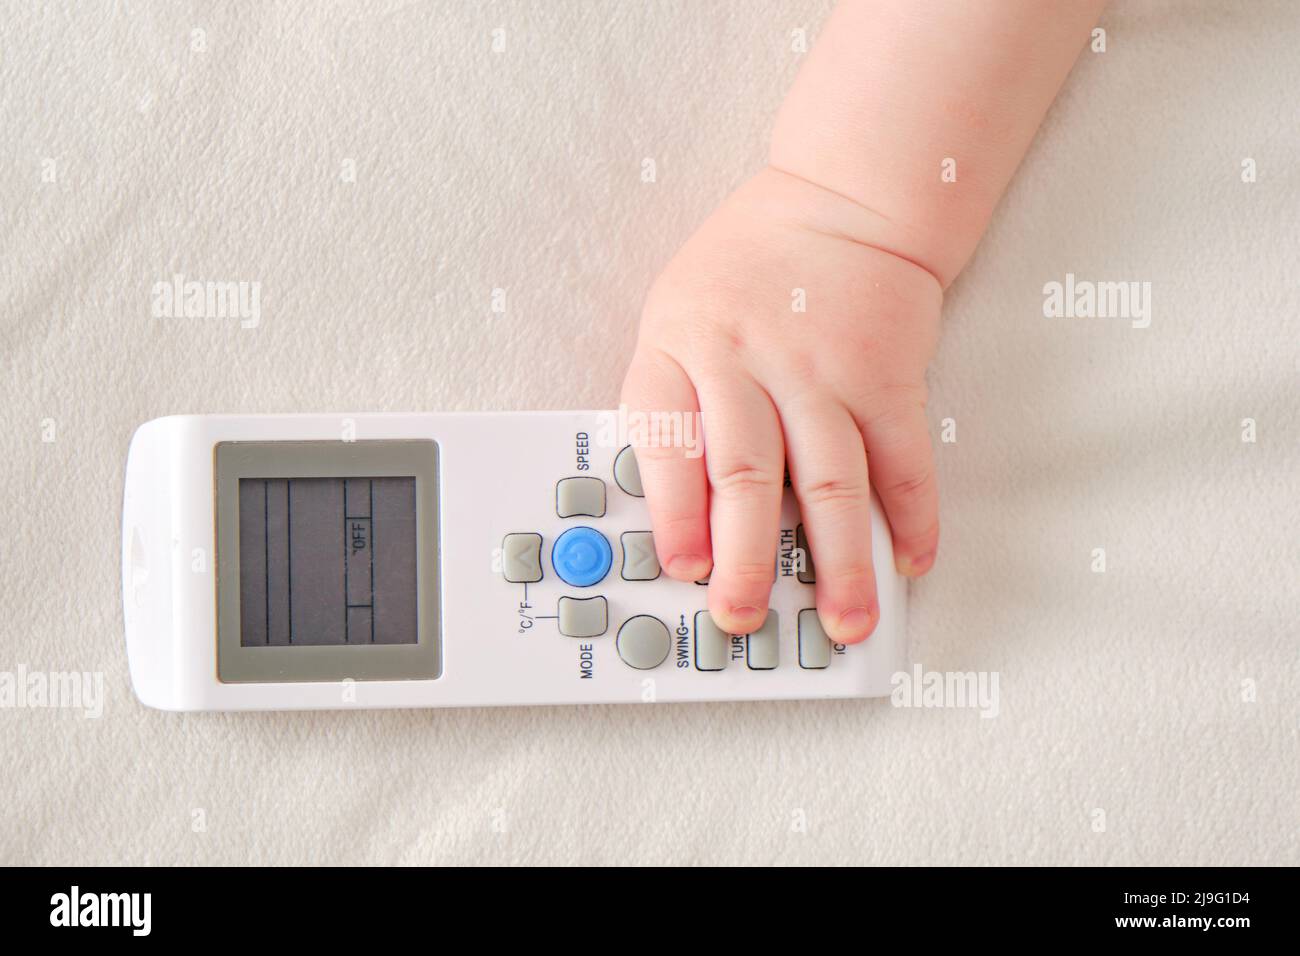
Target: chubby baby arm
[800, 318]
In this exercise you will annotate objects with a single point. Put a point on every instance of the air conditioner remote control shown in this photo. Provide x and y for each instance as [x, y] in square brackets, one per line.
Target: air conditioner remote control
[277, 562]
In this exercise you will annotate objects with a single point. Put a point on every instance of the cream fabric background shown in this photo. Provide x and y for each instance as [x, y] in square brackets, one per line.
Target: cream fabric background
[1120, 691]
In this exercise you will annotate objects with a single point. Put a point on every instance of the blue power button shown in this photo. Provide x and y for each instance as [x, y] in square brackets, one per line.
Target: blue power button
[581, 557]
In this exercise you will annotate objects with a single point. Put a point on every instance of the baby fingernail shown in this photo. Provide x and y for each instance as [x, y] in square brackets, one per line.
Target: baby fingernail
[856, 620]
[911, 567]
[688, 567]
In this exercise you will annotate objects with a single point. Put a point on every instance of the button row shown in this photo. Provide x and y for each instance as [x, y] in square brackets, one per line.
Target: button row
[713, 645]
[644, 641]
[585, 497]
[582, 557]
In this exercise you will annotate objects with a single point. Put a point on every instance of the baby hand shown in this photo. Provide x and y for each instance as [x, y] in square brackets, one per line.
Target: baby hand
[802, 344]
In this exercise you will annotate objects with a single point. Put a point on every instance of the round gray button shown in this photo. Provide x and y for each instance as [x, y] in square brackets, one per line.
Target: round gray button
[627, 474]
[643, 642]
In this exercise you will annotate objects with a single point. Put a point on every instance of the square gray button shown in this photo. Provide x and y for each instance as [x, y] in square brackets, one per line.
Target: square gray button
[627, 474]
[521, 558]
[580, 496]
[712, 643]
[640, 563]
[808, 574]
[761, 653]
[814, 645]
[583, 617]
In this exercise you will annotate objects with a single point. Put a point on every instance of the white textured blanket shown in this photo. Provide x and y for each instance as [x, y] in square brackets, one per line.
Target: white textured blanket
[381, 168]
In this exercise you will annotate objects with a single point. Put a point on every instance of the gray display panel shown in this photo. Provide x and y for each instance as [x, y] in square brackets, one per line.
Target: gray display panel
[327, 560]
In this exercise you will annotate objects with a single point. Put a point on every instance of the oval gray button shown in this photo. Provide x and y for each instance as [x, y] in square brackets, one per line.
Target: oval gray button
[627, 474]
[643, 642]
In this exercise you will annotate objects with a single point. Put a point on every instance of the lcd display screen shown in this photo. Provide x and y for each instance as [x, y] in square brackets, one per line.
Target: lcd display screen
[326, 561]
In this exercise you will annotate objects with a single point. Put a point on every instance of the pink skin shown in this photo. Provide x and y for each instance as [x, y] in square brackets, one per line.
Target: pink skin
[853, 211]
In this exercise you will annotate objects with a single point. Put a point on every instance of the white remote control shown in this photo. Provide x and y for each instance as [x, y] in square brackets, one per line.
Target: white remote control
[278, 562]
